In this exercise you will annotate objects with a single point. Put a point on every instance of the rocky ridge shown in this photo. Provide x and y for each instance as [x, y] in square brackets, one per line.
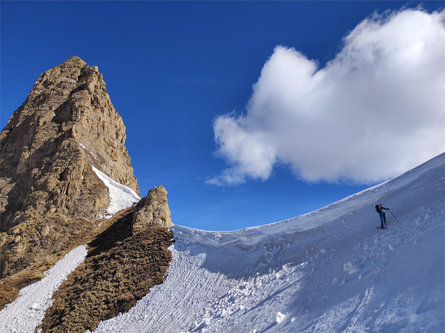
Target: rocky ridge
[121, 267]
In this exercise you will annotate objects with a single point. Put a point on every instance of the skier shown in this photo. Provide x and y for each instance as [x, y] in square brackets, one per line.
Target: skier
[381, 210]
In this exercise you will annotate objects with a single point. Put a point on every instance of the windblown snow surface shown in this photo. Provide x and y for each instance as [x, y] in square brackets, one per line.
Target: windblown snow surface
[330, 270]
[28, 310]
[121, 196]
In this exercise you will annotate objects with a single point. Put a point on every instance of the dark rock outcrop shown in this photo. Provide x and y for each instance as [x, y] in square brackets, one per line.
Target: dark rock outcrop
[121, 267]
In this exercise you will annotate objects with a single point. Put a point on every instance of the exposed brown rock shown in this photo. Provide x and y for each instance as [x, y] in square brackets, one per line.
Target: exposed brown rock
[152, 210]
[121, 267]
[50, 198]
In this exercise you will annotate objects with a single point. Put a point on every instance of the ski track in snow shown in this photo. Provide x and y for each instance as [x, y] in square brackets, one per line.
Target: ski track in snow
[121, 196]
[327, 271]
[28, 310]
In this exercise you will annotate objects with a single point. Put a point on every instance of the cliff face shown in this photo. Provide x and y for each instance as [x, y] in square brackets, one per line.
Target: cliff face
[66, 124]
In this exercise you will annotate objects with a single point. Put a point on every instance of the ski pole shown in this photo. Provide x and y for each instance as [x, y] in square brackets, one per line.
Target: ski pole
[393, 215]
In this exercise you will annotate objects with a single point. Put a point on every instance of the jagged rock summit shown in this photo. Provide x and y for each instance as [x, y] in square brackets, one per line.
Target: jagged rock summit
[61, 153]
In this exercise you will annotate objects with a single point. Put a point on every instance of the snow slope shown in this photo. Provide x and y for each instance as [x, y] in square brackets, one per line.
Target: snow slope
[330, 270]
[121, 196]
[28, 310]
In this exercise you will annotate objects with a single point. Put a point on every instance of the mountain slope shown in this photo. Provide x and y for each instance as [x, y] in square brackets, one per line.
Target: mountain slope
[327, 271]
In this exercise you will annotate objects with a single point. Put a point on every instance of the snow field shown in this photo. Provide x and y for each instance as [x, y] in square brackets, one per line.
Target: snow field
[28, 310]
[327, 271]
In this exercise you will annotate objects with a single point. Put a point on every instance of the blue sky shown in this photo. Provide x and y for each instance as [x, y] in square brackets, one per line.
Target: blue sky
[172, 69]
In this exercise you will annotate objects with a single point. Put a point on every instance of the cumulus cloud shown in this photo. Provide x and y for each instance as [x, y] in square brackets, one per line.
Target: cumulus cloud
[372, 112]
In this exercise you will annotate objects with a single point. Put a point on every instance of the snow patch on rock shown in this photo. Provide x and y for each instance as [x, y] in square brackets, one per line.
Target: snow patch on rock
[121, 196]
[28, 310]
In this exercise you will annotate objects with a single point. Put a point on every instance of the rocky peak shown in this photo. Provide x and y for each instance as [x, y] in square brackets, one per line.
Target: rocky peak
[62, 154]
[66, 124]
[50, 196]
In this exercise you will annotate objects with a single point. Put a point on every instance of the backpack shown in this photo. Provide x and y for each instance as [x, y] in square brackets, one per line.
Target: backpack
[378, 208]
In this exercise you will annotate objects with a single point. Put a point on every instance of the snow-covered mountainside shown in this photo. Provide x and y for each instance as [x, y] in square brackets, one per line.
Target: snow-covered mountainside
[330, 270]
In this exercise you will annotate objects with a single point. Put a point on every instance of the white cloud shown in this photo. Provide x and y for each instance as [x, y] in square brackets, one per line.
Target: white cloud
[376, 110]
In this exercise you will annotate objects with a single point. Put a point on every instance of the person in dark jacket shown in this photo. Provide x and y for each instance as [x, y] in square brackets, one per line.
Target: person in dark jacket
[381, 211]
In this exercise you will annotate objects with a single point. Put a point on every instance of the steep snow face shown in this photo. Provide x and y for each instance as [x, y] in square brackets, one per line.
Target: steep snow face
[27, 311]
[121, 196]
[327, 271]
